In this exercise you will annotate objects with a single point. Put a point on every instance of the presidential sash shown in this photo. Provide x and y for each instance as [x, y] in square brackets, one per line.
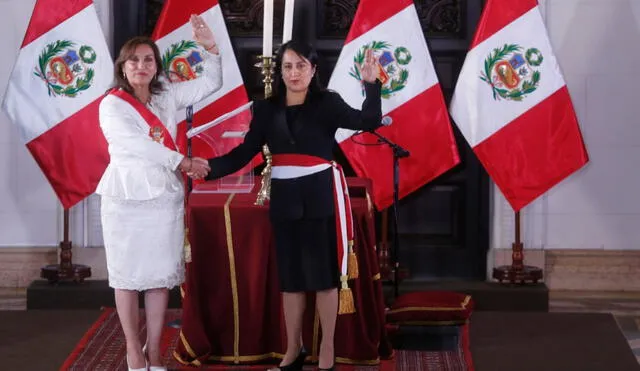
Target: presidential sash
[289, 166]
[157, 131]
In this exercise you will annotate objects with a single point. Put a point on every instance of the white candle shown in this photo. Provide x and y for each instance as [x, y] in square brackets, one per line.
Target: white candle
[267, 29]
[288, 21]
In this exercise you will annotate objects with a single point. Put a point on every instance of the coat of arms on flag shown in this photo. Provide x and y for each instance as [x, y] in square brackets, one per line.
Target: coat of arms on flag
[511, 74]
[64, 68]
[412, 99]
[64, 54]
[513, 106]
[182, 61]
[392, 65]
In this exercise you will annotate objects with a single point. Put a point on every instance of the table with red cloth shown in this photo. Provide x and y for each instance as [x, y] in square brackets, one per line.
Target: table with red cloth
[231, 303]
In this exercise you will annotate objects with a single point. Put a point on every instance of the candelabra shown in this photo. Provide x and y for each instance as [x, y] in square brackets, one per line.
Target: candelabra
[267, 67]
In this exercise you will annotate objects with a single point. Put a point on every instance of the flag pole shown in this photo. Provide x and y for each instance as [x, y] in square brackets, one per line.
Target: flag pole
[65, 270]
[517, 272]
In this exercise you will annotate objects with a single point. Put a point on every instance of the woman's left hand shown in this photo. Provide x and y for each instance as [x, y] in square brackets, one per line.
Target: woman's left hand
[202, 34]
[369, 69]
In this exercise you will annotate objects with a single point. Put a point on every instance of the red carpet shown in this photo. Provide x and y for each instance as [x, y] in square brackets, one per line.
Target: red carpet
[103, 348]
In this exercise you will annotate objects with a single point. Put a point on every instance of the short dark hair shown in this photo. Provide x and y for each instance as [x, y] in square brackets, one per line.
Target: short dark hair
[127, 50]
[306, 51]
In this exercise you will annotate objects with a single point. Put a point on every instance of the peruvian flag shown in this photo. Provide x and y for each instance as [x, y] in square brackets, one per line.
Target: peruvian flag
[512, 104]
[181, 58]
[411, 99]
[62, 71]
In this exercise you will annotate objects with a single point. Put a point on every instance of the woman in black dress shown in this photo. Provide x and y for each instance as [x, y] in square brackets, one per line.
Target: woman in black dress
[299, 123]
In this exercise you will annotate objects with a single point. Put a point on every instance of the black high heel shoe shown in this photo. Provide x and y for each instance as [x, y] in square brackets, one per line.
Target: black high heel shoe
[297, 363]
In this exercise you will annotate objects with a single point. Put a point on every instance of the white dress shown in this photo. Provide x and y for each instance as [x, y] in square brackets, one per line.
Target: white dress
[142, 196]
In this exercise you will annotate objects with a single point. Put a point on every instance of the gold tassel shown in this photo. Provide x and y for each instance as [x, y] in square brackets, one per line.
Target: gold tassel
[352, 263]
[187, 246]
[346, 303]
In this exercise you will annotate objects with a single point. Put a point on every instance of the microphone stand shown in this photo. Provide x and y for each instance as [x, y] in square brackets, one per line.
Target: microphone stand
[189, 121]
[398, 153]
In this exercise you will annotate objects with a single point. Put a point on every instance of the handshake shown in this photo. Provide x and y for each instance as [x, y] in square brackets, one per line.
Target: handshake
[196, 168]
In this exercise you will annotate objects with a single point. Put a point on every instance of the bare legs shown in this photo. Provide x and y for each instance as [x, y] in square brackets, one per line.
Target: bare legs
[327, 304]
[294, 306]
[155, 303]
[155, 306]
[127, 307]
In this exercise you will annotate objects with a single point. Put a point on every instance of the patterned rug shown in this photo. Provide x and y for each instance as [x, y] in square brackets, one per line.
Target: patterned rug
[102, 348]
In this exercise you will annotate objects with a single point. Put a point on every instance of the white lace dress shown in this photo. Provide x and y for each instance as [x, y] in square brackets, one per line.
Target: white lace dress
[142, 196]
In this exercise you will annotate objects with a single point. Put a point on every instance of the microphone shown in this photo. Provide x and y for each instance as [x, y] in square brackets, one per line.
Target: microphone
[386, 121]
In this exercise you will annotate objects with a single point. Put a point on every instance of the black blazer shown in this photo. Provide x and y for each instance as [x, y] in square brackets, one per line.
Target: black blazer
[312, 134]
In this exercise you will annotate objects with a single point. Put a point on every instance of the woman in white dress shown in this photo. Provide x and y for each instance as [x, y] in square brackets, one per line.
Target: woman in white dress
[142, 193]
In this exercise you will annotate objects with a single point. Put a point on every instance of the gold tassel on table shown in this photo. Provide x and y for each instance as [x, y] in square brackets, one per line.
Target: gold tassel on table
[352, 263]
[346, 304]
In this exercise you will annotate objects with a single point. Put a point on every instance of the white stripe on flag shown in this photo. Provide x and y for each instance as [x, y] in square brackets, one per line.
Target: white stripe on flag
[26, 91]
[400, 30]
[231, 73]
[473, 108]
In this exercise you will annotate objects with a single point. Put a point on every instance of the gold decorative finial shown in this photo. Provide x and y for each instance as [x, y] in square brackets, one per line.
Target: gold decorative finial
[267, 66]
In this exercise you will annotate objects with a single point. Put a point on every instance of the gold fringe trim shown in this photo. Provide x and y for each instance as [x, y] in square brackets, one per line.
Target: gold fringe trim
[189, 350]
[187, 246]
[463, 305]
[233, 278]
[352, 263]
[346, 303]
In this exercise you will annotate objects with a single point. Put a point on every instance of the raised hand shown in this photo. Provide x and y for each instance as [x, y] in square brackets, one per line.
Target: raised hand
[202, 34]
[369, 70]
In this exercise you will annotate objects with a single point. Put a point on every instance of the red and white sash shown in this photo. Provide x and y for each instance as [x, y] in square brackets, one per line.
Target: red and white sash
[157, 131]
[289, 166]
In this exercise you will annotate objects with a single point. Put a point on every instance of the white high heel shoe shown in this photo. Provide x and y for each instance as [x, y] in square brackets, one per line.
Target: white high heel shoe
[151, 368]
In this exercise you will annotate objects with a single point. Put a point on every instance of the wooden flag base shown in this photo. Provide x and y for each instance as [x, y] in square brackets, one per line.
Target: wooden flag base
[66, 270]
[55, 273]
[517, 272]
[524, 274]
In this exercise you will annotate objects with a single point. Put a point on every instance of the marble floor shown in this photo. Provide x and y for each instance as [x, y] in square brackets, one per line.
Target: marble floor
[625, 306]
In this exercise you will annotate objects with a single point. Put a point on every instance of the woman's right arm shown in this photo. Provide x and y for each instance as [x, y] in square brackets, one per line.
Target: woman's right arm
[127, 138]
[242, 154]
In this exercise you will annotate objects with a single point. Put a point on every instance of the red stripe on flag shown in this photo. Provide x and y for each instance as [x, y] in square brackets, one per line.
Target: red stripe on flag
[371, 13]
[73, 155]
[535, 151]
[497, 14]
[47, 14]
[425, 133]
[176, 13]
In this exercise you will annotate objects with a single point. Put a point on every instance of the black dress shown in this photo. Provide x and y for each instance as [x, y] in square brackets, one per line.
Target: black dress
[301, 209]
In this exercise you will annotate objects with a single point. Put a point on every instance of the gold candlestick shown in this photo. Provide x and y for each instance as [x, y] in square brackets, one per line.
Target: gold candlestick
[267, 66]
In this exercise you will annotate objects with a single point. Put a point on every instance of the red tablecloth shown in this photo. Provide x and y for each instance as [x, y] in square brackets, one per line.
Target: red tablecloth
[231, 304]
